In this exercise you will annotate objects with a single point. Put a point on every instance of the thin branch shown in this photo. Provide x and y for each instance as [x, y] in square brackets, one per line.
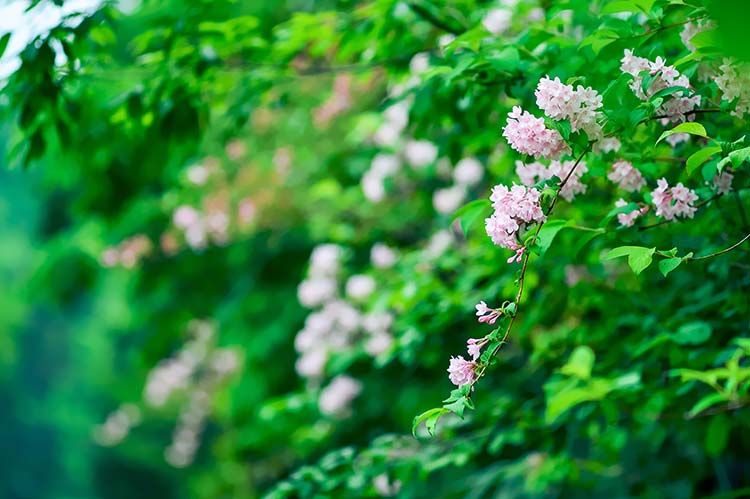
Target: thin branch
[524, 265]
[707, 110]
[726, 250]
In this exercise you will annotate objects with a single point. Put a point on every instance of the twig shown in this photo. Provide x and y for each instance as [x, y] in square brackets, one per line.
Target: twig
[726, 250]
[526, 257]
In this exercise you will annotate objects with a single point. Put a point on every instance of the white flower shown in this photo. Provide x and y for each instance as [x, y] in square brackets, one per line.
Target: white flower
[373, 187]
[185, 216]
[419, 63]
[324, 260]
[439, 243]
[197, 174]
[497, 21]
[398, 114]
[382, 256]
[316, 291]
[195, 235]
[360, 286]
[447, 201]
[420, 153]
[312, 363]
[387, 134]
[377, 322]
[385, 165]
[336, 398]
[378, 343]
[468, 171]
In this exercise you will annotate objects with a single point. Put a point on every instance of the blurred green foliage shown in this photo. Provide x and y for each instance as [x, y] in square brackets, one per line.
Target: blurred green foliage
[614, 383]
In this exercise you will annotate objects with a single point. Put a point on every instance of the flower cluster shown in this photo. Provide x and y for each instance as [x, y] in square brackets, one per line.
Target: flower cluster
[722, 182]
[561, 102]
[461, 371]
[338, 325]
[497, 21]
[734, 82]
[466, 173]
[396, 119]
[420, 153]
[528, 134]
[514, 209]
[676, 106]
[382, 167]
[128, 253]
[628, 219]
[191, 376]
[117, 425]
[336, 398]
[487, 314]
[535, 172]
[199, 228]
[382, 256]
[674, 201]
[626, 176]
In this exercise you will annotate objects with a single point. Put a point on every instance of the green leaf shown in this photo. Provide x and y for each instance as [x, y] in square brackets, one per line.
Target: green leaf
[706, 402]
[699, 157]
[669, 91]
[458, 406]
[548, 232]
[4, 43]
[580, 363]
[639, 258]
[688, 127]
[643, 6]
[692, 333]
[562, 398]
[717, 435]
[468, 214]
[736, 158]
[669, 264]
[430, 419]
[705, 39]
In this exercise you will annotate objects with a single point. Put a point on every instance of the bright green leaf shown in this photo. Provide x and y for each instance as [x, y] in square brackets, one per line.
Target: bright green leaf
[580, 363]
[639, 258]
[699, 157]
[548, 232]
[688, 127]
[668, 265]
[430, 419]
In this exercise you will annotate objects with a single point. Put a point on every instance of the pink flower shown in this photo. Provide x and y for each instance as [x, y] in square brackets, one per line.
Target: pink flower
[673, 202]
[536, 172]
[626, 177]
[461, 371]
[474, 347]
[628, 219]
[723, 183]
[675, 106]
[579, 106]
[514, 208]
[528, 134]
[487, 314]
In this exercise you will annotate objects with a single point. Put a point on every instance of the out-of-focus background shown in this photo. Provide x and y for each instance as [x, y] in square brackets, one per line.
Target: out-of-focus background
[231, 265]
